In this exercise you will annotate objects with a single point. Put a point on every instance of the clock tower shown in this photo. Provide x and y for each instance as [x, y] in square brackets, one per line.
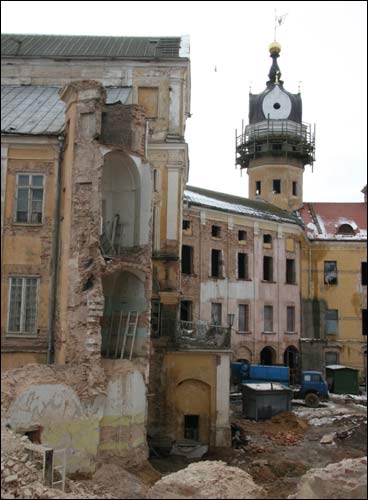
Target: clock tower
[276, 145]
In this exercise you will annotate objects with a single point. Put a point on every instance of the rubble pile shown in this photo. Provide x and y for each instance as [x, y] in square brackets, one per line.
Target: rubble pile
[207, 480]
[284, 438]
[345, 479]
[22, 477]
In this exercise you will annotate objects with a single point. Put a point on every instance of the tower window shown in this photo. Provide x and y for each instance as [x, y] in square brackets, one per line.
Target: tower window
[277, 105]
[277, 147]
[295, 188]
[276, 186]
[258, 187]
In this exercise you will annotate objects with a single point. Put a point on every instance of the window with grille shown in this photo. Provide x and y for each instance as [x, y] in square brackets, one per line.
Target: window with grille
[29, 198]
[268, 319]
[290, 325]
[23, 305]
[332, 321]
[243, 317]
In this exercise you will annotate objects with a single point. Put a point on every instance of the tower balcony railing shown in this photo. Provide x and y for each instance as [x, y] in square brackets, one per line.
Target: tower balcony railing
[276, 129]
[198, 335]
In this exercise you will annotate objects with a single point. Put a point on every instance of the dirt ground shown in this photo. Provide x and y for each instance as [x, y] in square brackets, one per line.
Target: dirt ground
[280, 450]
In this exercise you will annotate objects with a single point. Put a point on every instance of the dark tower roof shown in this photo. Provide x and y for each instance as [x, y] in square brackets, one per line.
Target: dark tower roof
[256, 109]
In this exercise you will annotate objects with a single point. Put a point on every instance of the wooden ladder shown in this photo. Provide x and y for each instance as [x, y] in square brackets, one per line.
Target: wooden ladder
[130, 331]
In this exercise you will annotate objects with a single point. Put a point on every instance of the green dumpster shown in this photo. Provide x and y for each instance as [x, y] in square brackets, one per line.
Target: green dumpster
[342, 379]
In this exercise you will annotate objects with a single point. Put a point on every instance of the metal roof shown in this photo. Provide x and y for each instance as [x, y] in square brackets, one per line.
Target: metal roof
[38, 110]
[18, 45]
[235, 204]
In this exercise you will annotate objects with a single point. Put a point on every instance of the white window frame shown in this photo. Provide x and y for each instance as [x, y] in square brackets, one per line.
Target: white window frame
[21, 332]
[29, 186]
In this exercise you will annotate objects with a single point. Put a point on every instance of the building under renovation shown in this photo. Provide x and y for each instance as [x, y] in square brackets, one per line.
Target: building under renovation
[126, 293]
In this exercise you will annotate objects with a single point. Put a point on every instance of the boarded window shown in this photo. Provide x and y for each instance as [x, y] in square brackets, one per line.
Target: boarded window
[242, 266]
[216, 314]
[216, 231]
[364, 273]
[268, 319]
[258, 187]
[216, 264]
[186, 310]
[267, 269]
[295, 188]
[242, 235]
[364, 322]
[187, 259]
[290, 320]
[29, 198]
[331, 358]
[23, 305]
[332, 321]
[330, 272]
[290, 271]
[243, 317]
[290, 245]
[276, 186]
[148, 98]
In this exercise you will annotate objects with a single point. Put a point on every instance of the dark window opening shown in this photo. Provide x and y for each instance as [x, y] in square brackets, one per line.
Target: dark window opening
[267, 269]
[277, 147]
[346, 229]
[155, 180]
[364, 322]
[295, 188]
[364, 273]
[191, 427]
[186, 224]
[34, 435]
[155, 316]
[216, 264]
[276, 186]
[187, 259]
[258, 187]
[242, 266]
[216, 231]
[186, 310]
[242, 235]
[267, 238]
[290, 271]
[330, 272]
[243, 317]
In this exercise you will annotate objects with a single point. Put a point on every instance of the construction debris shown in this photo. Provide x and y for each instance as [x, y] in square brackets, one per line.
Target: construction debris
[207, 480]
[345, 479]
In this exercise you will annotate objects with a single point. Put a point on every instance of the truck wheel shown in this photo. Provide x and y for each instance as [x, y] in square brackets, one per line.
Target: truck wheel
[312, 400]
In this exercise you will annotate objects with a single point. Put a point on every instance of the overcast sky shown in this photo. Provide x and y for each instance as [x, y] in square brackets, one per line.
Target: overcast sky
[324, 47]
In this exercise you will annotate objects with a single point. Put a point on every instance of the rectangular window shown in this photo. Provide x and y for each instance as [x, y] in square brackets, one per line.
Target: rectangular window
[242, 266]
[216, 271]
[23, 305]
[29, 198]
[187, 259]
[276, 186]
[267, 241]
[290, 271]
[268, 319]
[295, 188]
[332, 321]
[216, 231]
[267, 269]
[330, 272]
[364, 322]
[331, 358]
[191, 427]
[186, 225]
[290, 325]
[364, 273]
[186, 310]
[243, 317]
[216, 314]
[258, 187]
[148, 98]
[155, 316]
[242, 235]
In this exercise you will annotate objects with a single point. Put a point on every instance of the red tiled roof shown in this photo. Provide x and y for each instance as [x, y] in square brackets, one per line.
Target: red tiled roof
[322, 220]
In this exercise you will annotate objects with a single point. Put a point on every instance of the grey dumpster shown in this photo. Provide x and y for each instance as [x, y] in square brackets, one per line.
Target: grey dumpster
[266, 399]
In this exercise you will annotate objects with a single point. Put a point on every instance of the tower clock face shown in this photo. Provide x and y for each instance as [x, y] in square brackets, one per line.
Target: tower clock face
[276, 104]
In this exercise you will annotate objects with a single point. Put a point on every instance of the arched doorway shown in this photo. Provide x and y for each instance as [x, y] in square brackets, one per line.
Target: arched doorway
[193, 411]
[268, 356]
[120, 201]
[291, 359]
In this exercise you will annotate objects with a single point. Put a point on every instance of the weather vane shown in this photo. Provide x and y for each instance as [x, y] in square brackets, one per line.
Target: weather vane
[279, 20]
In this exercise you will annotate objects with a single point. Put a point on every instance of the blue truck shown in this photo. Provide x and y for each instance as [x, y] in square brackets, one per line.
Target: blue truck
[313, 386]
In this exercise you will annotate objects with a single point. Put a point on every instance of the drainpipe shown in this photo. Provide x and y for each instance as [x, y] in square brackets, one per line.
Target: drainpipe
[54, 259]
